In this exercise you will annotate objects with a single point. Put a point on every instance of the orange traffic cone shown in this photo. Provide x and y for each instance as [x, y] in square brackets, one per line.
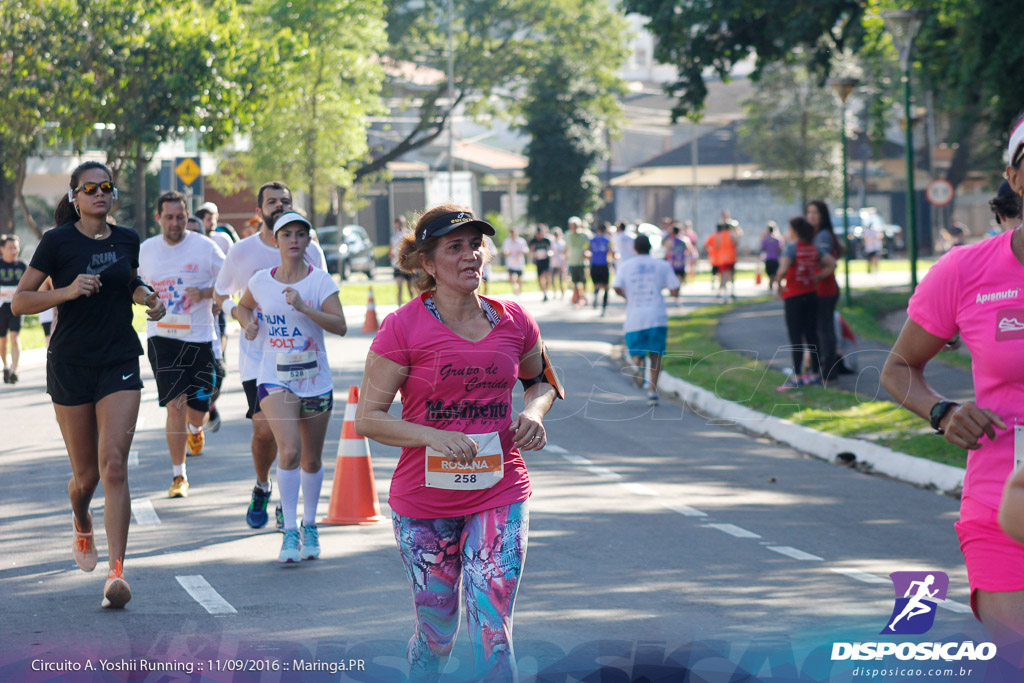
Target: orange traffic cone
[354, 494]
[371, 324]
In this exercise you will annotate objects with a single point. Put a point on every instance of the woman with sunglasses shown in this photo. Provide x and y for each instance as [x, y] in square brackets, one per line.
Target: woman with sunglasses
[975, 291]
[459, 493]
[92, 367]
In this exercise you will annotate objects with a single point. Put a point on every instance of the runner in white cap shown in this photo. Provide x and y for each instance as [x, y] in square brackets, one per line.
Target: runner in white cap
[254, 253]
[286, 310]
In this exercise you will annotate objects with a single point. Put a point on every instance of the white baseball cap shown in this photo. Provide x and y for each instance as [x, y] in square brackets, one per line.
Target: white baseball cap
[209, 206]
[289, 217]
[1016, 141]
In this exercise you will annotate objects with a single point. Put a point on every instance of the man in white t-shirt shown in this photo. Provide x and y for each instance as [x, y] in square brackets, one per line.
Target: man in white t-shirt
[622, 240]
[254, 253]
[641, 280]
[182, 266]
[514, 248]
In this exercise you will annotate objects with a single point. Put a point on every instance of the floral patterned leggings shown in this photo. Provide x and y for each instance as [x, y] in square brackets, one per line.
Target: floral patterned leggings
[486, 550]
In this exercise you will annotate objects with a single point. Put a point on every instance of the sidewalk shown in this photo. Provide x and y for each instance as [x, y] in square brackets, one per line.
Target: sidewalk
[759, 330]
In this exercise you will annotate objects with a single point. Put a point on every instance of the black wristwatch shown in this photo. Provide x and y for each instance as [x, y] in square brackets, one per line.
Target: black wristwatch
[939, 411]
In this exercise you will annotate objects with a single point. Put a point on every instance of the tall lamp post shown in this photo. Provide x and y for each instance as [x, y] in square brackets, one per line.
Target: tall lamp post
[904, 24]
[844, 87]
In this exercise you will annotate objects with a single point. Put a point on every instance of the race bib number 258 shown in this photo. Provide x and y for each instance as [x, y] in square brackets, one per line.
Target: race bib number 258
[486, 470]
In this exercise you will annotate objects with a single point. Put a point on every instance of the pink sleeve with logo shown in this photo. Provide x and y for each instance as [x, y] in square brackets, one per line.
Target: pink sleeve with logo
[934, 303]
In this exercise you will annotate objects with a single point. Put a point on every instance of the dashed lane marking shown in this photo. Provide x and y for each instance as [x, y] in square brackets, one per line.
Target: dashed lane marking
[796, 554]
[557, 450]
[684, 510]
[860, 576]
[604, 472]
[638, 489]
[142, 510]
[575, 459]
[733, 530]
[205, 594]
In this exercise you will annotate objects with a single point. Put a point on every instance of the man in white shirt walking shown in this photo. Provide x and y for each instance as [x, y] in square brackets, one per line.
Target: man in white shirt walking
[641, 280]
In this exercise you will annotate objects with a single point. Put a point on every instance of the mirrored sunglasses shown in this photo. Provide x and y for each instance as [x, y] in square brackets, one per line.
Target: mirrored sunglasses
[106, 187]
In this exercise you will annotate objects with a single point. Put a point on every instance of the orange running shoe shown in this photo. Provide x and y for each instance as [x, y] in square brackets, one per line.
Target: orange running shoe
[84, 549]
[117, 592]
[195, 442]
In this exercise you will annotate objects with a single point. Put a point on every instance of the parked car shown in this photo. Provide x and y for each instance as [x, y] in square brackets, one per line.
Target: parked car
[653, 233]
[891, 235]
[352, 252]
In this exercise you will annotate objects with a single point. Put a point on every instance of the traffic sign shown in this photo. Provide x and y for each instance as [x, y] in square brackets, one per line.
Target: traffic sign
[188, 175]
[939, 192]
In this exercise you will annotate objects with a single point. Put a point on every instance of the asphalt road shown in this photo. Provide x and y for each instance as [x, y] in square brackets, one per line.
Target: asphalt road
[658, 542]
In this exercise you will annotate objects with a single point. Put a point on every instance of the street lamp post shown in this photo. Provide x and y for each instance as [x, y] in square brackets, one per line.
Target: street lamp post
[844, 87]
[903, 25]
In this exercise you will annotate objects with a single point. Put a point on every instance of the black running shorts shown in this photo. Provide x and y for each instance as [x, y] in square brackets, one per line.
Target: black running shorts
[183, 367]
[74, 385]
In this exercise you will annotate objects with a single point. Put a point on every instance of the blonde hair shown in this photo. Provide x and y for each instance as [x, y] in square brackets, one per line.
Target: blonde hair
[410, 255]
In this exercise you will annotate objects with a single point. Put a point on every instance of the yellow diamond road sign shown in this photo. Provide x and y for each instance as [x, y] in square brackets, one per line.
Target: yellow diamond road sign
[188, 171]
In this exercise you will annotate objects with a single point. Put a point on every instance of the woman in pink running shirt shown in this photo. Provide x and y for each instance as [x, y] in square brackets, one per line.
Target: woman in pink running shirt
[976, 290]
[459, 493]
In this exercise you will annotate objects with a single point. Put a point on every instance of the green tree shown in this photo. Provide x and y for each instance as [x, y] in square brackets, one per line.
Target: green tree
[171, 68]
[699, 38]
[41, 82]
[500, 47]
[791, 130]
[565, 143]
[968, 53]
[312, 124]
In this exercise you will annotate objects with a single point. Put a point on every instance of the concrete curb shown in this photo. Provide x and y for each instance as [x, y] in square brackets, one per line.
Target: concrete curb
[869, 456]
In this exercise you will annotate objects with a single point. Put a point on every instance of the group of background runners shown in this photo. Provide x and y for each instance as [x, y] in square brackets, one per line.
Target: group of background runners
[92, 271]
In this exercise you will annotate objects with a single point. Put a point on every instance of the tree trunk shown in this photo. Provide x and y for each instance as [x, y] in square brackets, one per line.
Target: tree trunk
[19, 186]
[140, 191]
[7, 193]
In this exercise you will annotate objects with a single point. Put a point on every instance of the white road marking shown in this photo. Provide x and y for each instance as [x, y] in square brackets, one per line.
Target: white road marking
[140, 424]
[150, 396]
[604, 472]
[733, 530]
[861, 576]
[794, 553]
[684, 510]
[958, 607]
[133, 458]
[203, 593]
[558, 450]
[576, 459]
[142, 510]
[638, 489]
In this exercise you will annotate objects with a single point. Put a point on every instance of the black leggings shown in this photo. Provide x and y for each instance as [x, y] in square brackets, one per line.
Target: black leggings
[801, 319]
[827, 331]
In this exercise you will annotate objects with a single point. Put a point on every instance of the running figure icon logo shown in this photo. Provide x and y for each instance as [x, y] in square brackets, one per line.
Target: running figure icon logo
[917, 594]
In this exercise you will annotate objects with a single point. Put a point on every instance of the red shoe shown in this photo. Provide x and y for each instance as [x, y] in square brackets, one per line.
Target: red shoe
[117, 592]
[84, 548]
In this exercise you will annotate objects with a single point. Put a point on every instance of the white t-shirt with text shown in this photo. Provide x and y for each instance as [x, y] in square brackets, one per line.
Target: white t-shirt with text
[171, 269]
[241, 263]
[642, 278]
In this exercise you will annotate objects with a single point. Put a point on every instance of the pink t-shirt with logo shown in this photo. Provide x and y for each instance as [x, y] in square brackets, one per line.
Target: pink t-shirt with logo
[978, 290]
[458, 385]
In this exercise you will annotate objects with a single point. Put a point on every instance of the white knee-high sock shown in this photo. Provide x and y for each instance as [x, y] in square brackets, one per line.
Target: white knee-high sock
[312, 482]
[288, 487]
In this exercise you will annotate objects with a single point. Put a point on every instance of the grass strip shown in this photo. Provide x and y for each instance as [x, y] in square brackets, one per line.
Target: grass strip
[695, 356]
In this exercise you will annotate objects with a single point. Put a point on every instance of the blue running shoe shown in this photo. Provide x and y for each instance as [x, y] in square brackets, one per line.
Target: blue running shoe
[257, 516]
[279, 517]
[290, 547]
[310, 541]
